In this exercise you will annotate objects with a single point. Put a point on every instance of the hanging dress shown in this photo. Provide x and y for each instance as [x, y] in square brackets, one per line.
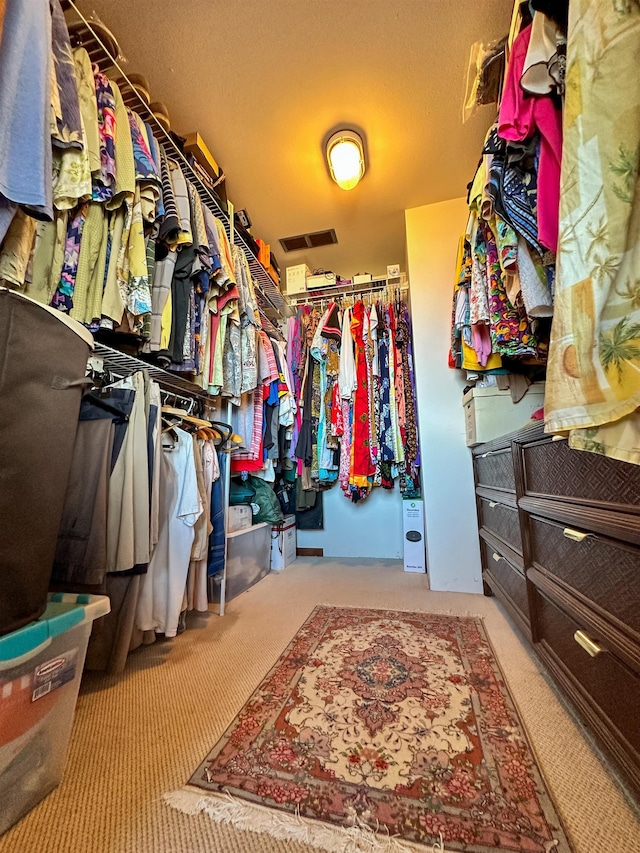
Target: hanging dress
[361, 465]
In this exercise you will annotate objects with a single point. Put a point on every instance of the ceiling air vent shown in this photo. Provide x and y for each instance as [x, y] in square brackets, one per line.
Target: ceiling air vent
[309, 241]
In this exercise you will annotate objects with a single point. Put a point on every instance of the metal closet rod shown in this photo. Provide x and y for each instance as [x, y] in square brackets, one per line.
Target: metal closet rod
[356, 293]
[265, 283]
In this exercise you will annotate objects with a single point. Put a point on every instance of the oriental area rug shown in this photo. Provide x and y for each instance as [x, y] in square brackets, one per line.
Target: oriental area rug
[381, 730]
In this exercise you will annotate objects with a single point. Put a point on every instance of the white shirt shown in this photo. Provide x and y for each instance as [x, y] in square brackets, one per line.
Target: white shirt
[162, 588]
[347, 376]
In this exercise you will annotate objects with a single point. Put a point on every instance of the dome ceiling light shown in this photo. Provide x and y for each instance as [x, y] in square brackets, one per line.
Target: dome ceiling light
[345, 156]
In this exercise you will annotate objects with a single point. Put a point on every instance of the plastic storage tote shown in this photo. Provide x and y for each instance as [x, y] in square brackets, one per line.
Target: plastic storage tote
[40, 671]
[248, 559]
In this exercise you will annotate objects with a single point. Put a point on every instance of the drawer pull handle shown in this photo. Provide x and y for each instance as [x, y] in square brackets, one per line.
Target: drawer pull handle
[493, 504]
[575, 535]
[590, 646]
[496, 556]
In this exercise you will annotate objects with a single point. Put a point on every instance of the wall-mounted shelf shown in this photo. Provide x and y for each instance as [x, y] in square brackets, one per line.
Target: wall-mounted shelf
[339, 291]
[125, 365]
[103, 50]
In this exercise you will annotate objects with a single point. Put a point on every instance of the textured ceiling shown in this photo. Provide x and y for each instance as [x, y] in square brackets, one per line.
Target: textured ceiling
[265, 82]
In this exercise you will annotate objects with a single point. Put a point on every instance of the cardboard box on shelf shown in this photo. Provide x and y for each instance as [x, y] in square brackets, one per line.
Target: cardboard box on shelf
[239, 518]
[324, 279]
[195, 144]
[490, 412]
[296, 278]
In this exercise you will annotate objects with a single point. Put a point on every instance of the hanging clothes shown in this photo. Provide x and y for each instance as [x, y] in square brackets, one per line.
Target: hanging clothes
[362, 467]
[163, 586]
[593, 378]
[25, 140]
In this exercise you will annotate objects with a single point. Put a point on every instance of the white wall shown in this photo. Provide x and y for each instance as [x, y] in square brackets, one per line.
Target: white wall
[371, 528]
[453, 554]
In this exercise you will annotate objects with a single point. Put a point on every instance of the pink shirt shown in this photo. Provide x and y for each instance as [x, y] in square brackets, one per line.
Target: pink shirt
[521, 115]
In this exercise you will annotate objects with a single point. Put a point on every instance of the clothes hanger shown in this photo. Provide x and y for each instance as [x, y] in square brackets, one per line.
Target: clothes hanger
[207, 433]
[169, 428]
[185, 416]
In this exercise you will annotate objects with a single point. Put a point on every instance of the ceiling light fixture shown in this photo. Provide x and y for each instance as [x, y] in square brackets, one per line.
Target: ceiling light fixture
[345, 156]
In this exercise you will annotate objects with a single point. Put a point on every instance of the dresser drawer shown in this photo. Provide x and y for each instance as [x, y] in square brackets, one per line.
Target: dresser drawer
[505, 580]
[503, 521]
[603, 687]
[495, 470]
[552, 469]
[606, 574]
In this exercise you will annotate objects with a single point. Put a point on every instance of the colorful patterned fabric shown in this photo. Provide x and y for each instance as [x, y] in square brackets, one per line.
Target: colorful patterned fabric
[332, 371]
[386, 439]
[345, 447]
[593, 379]
[511, 333]
[125, 163]
[410, 386]
[71, 178]
[63, 297]
[519, 194]
[374, 390]
[479, 311]
[144, 162]
[410, 416]
[362, 467]
[104, 182]
[68, 129]
[138, 291]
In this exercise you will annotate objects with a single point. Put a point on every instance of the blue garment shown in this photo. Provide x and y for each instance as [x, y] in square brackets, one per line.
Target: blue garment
[386, 437]
[217, 537]
[25, 99]
[7, 212]
[122, 400]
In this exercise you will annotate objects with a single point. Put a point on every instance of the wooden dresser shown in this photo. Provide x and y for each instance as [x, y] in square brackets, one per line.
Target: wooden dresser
[560, 542]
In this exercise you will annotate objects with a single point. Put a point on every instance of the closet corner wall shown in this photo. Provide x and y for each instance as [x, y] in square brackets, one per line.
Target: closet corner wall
[449, 502]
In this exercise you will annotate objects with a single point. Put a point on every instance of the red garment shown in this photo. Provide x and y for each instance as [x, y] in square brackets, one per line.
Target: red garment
[337, 421]
[361, 465]
[521, 114]
[240, 465]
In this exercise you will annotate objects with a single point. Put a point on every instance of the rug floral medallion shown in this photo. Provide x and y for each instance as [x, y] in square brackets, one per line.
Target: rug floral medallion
[398, 721]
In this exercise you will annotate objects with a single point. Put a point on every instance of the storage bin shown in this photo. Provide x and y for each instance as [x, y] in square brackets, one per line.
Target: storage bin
[284, 543]
[490, 413]
[248, 559]
[40, 671]
[239, 518]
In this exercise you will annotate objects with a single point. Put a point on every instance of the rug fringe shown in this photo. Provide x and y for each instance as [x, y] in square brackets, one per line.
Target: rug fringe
[223, 808]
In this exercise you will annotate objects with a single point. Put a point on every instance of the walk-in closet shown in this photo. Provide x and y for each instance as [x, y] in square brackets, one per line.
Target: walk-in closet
[319, 437]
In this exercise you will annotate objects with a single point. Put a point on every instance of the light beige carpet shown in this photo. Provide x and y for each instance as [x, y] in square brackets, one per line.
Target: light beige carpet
[142, 734]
